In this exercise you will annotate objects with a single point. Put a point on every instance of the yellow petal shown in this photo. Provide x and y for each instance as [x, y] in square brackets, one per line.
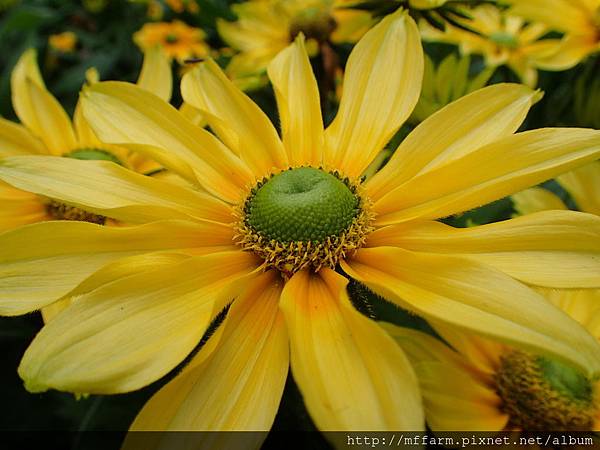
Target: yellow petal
[381, 89]
[475, 297]
[583, 184]
[298, 104]
[455, 399]
[207, 88]
[156, 76]
[458, 129]
[49, 121]
[121, 268]
[583, 305]
[560, 15]
[17, 140]
[535, 200]
[129, 333]
[124, 113]
[107, 189]
[233, 383]
[554, 248]
[41, 263]
[491, 172]
[350, 372]
[19, 208]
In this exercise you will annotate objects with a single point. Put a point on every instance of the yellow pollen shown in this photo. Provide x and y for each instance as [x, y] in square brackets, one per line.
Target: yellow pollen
[60, 211]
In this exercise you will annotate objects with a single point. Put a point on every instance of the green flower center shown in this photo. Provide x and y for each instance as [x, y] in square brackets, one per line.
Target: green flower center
[303, 204]
[540, 393]
[303, 217]
[93, 154]
[314, 22]
[171, 38]
[504, 39]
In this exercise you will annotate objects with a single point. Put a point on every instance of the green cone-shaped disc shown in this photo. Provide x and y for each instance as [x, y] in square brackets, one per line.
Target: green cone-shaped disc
[302, 204]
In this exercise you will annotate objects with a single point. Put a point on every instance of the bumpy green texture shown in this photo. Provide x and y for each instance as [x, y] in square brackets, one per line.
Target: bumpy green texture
[302, 204]
[566, 379]
[93, 154]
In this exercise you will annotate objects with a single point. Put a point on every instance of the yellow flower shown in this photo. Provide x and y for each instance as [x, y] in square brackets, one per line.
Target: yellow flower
[177, 39]
[46, 129]
[180, 6]
[502, 39]
[579, 20]
[63, 42]
[479, 384]
[484, 385]
[447, 83]
[269, 221]
[264, 28]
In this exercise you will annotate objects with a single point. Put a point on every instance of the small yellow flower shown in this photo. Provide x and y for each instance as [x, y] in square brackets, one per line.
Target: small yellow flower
[180, 6]
[63, 42]
[502, 39]
[264, 28]
[578, 20]
[177, 39]
[154, 10]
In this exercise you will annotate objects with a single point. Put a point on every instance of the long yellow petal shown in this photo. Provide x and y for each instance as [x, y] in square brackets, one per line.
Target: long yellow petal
[381, 87]
[583, 305]
[156, 76]
[233, 384]
[350, 372]
[558, 249]
[123, 113]
[129, 333]
[489, 173]
[455, 399]
[208, 89]
[50, 123]
[456, 130]
[475, 297]
[535, 200]
[584, 186]
[121, 268]
[298, 104]
[43, 262]
[107, 189]
[15, 139]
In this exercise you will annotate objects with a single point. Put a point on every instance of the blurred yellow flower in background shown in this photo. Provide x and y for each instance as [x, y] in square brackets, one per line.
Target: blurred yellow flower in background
[579, 20]
[265, 27]
[176, 39]
[502, 39]
[64, 42]
[180, 6]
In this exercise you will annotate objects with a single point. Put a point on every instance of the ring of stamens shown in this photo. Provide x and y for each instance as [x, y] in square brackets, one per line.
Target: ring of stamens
[337, 235]
[541, 394]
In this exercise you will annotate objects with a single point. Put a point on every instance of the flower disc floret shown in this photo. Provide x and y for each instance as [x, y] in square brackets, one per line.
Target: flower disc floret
[539, 393]
[303, 217]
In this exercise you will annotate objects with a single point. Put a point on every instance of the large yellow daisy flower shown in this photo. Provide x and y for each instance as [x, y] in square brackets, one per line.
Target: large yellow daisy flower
[502, 39]
[46, 129]
[275, 230]
[265, 27]
[578, 19]
[483, 385]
